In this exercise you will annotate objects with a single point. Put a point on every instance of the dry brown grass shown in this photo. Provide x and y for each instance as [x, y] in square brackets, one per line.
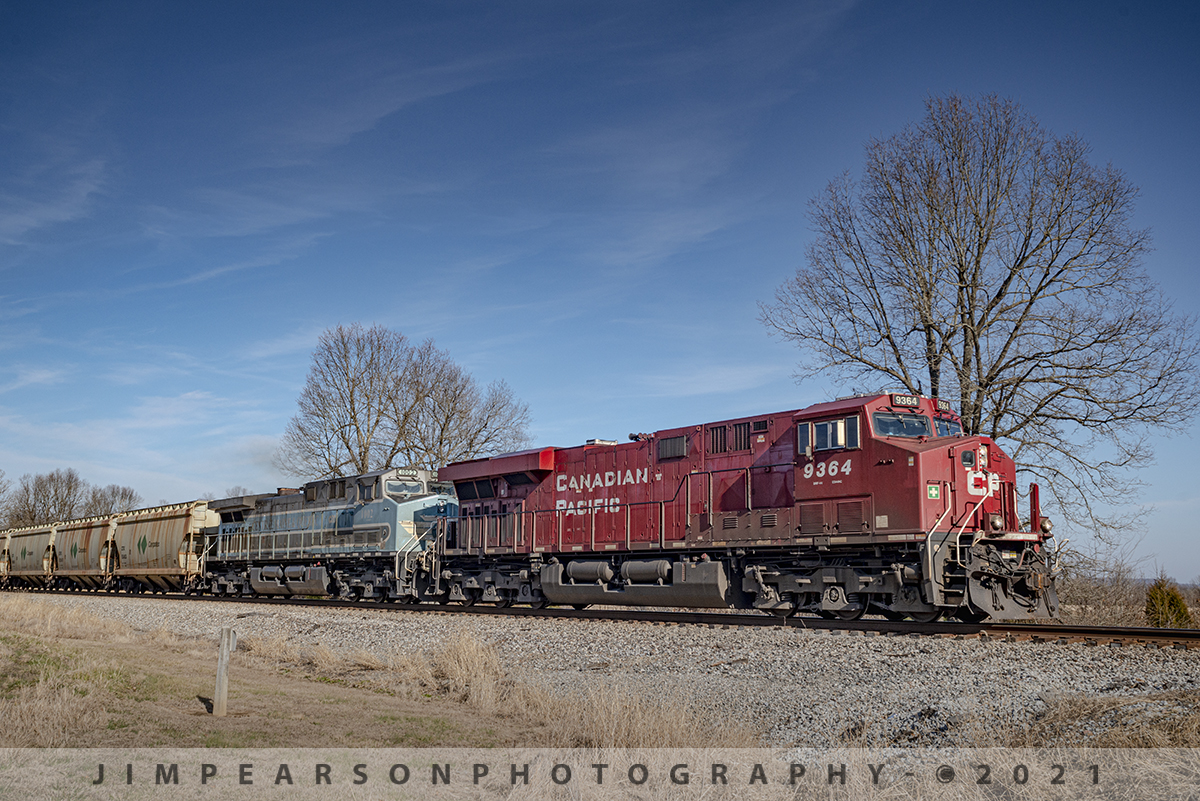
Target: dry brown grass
[49, 620]
[275, 650]
[608, 717]
[50, 712]
[472, 673]
[1158, 720]
[1094, 592]
[49, 694]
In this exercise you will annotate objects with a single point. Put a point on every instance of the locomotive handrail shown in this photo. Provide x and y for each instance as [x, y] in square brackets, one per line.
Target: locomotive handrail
[929, 572]
[469, 528]
[468, 543]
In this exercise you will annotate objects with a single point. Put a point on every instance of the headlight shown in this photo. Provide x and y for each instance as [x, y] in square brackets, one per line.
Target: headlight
[997, 522]
[1046, 526]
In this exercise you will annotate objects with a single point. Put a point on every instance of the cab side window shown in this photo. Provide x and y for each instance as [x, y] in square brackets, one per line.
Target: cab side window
[828, 435]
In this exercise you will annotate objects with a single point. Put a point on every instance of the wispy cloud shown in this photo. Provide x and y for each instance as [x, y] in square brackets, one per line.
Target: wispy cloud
[322, 95]
[708, 379]
[244, 211]
[46, 194]
[298, 341]
[33, 376]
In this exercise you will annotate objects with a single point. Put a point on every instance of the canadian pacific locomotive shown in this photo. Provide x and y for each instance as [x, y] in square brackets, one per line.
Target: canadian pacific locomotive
[868, 504]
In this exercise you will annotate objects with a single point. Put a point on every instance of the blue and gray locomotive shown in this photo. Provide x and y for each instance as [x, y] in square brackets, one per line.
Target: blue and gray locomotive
[359, 537]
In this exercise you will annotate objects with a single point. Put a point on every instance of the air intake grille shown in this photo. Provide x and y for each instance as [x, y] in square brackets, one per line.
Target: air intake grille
[741, 436]
[729, 522]
[770, 520]
[850, 517]
[812, 518]
[672, 447]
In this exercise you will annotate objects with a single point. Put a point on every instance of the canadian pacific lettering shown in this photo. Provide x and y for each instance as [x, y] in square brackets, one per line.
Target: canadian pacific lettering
[591, 482]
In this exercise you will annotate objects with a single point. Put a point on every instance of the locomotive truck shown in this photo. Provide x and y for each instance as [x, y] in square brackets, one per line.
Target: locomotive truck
[867, 504]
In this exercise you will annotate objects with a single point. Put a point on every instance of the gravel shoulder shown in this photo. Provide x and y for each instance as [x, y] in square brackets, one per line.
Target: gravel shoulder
[798, 687]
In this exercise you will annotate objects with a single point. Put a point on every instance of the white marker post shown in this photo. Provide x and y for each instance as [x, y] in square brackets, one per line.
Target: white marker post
[228, 644]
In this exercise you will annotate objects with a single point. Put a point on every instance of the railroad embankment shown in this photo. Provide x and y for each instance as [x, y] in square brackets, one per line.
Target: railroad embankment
[84, 670]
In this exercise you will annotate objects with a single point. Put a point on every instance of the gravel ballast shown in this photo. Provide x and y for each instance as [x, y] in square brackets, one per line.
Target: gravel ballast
[801, 687]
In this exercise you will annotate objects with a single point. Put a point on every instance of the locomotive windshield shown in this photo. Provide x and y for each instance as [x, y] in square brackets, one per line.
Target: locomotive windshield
[401, 490]
[900, 424]
[947, 428]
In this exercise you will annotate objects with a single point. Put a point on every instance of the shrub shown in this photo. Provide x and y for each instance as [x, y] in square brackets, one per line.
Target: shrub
[1165, 607]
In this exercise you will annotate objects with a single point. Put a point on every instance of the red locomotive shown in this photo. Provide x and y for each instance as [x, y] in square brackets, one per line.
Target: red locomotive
[866, 504]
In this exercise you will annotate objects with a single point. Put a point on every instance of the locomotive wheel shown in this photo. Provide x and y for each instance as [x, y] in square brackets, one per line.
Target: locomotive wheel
[852, 614]
[540, 603]
[925, 617]
[968, 615]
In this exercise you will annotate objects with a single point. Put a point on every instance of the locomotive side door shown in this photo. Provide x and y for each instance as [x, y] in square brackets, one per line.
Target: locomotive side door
[971, 483]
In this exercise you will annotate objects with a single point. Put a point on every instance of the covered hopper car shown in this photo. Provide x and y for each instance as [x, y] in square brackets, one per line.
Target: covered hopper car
[147, 549]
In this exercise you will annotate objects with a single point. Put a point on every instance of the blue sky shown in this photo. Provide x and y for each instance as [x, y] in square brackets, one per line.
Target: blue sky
[587, 200]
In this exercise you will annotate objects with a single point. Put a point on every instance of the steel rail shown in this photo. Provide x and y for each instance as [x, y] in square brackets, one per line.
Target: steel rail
[1034, 632]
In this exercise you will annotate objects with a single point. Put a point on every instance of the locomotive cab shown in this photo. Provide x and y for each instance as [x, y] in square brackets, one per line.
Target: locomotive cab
[896, 470]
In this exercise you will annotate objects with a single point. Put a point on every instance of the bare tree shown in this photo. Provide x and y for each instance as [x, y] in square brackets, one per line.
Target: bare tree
[346, 420]
[987, 260]
[46, 498]
[368, 402]
[236, 491]
[110, 500]
[459, 421]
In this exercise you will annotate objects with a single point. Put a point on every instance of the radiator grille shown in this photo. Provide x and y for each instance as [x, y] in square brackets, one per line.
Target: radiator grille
[770, 520]
[741, 436]
[812, 518]
[850, 517]
[729, 522]
[672, 447]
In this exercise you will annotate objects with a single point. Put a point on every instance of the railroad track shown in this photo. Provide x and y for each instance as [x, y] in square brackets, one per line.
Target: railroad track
[1111, 636]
